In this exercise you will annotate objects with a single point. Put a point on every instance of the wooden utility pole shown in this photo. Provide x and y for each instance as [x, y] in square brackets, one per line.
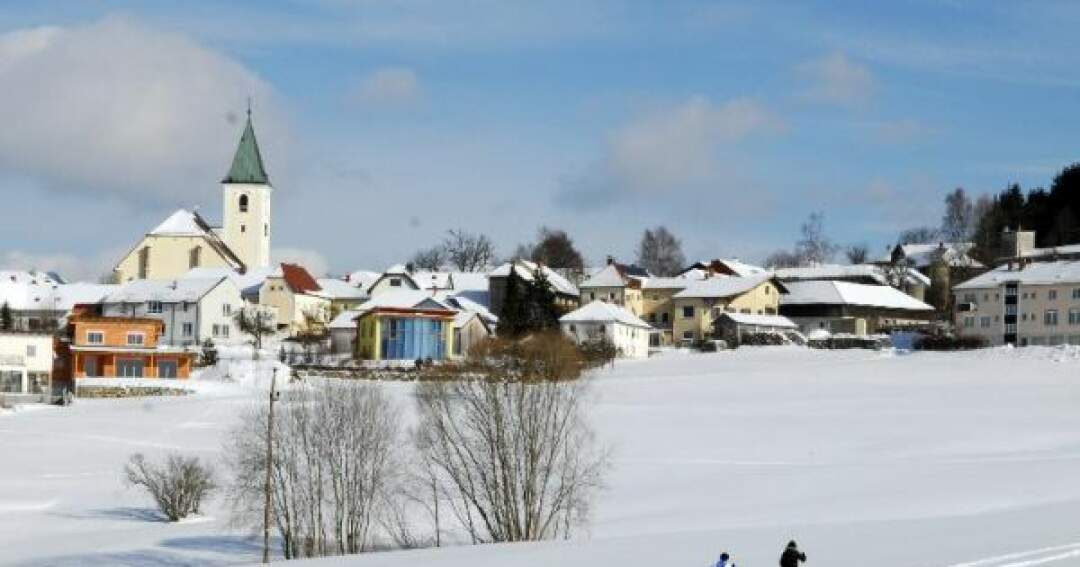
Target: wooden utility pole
[268, 488]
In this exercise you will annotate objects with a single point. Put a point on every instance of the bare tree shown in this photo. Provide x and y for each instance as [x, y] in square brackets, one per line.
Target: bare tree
[857, 253]
[660, 252]
[512, 449]
[918, 235]
[958, 222]
[178, 487]
[782, 259]
[468, 252]
[256, 322]
[313, 330]
[555, 249]
[334, 460]
[814, 247]
[431, 259]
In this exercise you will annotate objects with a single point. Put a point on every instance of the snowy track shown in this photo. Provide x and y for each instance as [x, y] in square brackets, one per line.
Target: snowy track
[1044, 556]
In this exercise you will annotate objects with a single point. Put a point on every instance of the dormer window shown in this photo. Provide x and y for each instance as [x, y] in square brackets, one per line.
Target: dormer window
[243, 203]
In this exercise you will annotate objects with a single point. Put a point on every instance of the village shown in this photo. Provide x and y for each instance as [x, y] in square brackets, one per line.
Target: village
[187, 287]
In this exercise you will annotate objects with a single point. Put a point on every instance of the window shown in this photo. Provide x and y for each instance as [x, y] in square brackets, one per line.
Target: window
[688, 311]
[167, 369]
[226, 309]
[153, 307]
[984, 321]
[663, 317]
[602, 329]
[136, 339]
[1010, 309]
[744, 311]
[1050, 318]
[1074, 316]
[243, 203]
[1052, 294]
[592, 295]
[31, 350]
[217, 330]
[1010, 328]
[225, 331]
[194, 257]
[184, 306]
[129, 368]
[652, 317]
[395, 282]
[969, 298]
[1076, 293]
[144, 262]
[95, 338]
[187, 329]
[1033, 294]
[688, 335]
[243, 228]
[266, 229]
[986, 297]
[969, 322]
[573, 328]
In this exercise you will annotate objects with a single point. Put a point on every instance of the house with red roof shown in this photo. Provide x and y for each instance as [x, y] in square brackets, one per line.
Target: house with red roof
[296, 297]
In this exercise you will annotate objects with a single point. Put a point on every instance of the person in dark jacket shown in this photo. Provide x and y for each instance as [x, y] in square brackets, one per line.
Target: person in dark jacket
[791, 557]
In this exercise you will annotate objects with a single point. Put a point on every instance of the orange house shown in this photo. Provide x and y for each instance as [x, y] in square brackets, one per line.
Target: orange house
[124, 347]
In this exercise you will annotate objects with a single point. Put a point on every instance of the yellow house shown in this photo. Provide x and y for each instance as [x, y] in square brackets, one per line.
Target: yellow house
[183, 242]
[405, 333]
[295, 297]
[696, 307]
[658, 306]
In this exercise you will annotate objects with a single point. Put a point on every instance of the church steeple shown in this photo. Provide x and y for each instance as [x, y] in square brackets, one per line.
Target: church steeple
[247, 164]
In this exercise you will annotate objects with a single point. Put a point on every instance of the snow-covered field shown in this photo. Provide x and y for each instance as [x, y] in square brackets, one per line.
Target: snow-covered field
[929, 459]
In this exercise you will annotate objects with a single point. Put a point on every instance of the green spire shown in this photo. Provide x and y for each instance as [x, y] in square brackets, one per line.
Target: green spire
[247, 164]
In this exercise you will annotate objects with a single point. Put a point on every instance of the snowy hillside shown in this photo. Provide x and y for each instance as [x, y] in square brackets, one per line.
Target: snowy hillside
[930, 459]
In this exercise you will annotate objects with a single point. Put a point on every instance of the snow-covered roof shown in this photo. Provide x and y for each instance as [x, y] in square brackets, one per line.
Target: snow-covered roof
[465, 302]
[922, 255]
[166, 291]
[248, 282]
[180, 223]
[526, 270]
[1052, 251]
[832, 272]
[432, 280]
[470, 281]
[28, 277]
[667, 283]
[601, 312]
[345, 320]
[363, 278]
[742, 268]
[33, 295]
[404, 298]
[848, 293]
[1036, 273]
[761, 320]
[608, 276]
[334, 288]
[720, 286]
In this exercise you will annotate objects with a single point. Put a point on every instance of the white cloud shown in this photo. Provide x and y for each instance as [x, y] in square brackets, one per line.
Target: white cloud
[313, 261]
[117, 107]
[670, 149]
[836, 79]
[387, 86]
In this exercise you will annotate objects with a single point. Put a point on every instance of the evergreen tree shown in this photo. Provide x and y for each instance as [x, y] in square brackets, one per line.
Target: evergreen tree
[540, 298]
[511, 319]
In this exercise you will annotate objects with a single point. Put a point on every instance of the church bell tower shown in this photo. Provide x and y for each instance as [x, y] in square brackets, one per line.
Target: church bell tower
[245, 209]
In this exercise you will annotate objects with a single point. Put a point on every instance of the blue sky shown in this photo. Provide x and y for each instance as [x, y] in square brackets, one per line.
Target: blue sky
[386, 123]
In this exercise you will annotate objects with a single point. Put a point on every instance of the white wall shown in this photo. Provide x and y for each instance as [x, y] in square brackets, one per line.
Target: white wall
[632, 342]
[248, 233]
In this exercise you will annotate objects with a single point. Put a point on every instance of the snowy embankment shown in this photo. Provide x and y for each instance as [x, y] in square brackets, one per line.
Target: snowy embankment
[935, 459]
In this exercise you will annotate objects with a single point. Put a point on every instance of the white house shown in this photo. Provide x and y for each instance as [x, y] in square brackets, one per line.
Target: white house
[192, 309]
[42, 302]
[26, 363]
[599, 320]
[400, 276]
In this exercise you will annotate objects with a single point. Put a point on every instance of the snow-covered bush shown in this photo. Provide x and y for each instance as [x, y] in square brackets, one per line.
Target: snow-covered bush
[178, 486]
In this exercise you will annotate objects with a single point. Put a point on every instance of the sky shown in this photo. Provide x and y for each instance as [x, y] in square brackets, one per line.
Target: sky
[386, 123]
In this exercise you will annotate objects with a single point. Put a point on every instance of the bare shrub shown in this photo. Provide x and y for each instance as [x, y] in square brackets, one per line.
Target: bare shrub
[178, 486]
[334, 462]
[511, 449]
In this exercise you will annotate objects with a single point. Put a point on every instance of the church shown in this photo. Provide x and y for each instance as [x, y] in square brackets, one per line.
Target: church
[185, 240]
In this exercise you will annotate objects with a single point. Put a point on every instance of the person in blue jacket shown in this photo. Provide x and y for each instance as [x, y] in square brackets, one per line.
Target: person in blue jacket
[724, 561]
